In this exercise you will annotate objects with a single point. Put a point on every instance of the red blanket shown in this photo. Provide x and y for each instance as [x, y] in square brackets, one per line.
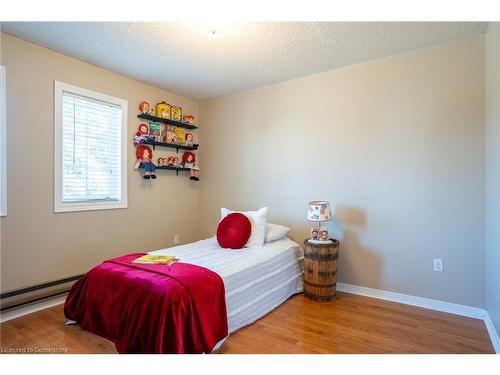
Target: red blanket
[146, 308]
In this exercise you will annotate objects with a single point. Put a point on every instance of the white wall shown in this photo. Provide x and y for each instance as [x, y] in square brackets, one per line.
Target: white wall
[397, 144]
[493, 172]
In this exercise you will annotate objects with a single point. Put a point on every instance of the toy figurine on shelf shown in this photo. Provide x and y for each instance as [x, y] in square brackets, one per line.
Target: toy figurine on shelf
[162, 162]
[189, 140]
[188, 119]
[144, 156]
[188, 161]
[151, 112]
[143, 129]
[173, 161]
[141, 135]
[144, 107]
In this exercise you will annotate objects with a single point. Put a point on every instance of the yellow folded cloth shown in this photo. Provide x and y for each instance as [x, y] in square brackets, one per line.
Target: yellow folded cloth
[156, 259]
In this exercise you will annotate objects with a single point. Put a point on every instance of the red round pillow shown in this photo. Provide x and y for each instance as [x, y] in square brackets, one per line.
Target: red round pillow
[234, 231]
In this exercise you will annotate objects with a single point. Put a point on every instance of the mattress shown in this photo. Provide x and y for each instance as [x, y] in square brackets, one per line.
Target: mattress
[257, 280]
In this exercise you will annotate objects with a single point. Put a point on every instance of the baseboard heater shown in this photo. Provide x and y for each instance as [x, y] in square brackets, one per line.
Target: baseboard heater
[20, 297]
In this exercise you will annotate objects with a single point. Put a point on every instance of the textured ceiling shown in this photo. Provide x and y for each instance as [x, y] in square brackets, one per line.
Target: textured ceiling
[190, 61]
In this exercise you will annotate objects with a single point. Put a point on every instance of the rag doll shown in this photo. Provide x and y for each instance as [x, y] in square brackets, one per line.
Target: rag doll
[144, 156]
[144, 107]
[142, 134]
[188, 119]
[188, 161]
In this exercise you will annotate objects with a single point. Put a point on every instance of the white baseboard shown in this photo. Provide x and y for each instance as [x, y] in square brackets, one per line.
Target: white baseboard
[495, 339]
[31, 308]
[452, 308]
[427, 303]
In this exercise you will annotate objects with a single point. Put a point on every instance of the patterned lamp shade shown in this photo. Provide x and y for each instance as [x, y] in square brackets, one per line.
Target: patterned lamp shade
[319, 211]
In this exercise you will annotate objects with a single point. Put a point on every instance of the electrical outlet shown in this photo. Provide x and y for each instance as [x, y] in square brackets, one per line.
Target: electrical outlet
[438, 265]
[176, 238]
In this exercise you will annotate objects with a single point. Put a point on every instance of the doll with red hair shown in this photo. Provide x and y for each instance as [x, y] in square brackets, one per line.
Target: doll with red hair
[189, 161]
[141, 135]
[144, 156]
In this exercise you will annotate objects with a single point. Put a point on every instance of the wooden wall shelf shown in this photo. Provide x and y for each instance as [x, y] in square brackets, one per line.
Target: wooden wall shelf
[180, 124]
[177, 170]
[171, 145]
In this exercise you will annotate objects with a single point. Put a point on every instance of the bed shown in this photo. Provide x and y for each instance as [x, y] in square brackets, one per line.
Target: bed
[257, 280]
[188, 307]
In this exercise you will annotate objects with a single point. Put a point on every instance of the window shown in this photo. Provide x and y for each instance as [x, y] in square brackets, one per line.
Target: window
[3, 143]
[90, 150]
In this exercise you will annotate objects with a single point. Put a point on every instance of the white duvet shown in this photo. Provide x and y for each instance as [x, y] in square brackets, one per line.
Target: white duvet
[256, 280]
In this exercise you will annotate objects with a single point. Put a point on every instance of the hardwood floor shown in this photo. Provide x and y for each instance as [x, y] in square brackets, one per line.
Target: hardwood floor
[349, 324]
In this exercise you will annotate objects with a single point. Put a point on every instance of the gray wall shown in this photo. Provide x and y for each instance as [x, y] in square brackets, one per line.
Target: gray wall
[397, 144]
[493, 172]
[38, 245]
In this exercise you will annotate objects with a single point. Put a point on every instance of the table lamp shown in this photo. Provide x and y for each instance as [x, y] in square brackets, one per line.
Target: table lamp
[319, 211]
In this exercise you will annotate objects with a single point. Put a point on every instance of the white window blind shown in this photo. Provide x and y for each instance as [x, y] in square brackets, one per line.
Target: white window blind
[91, 150]
[91, 159]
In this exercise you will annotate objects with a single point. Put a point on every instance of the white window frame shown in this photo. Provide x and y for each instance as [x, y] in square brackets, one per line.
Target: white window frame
[3, 142]
[59, 205]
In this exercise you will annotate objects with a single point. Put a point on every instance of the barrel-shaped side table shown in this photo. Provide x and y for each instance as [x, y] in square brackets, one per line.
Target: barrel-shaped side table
[320, 270]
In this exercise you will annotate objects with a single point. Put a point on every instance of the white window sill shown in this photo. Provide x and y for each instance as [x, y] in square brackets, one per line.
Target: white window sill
[74, 207]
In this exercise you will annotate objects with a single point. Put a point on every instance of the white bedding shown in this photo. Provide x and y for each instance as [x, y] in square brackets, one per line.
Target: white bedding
[256, 280]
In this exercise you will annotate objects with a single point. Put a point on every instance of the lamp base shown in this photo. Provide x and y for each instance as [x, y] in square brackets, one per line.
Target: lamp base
[319, 234]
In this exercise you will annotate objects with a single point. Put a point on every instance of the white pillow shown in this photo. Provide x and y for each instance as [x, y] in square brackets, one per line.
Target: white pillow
[275, 232]
[258, 221]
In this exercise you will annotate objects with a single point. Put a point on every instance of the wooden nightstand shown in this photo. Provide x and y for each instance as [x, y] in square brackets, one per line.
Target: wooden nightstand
[320, 270]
